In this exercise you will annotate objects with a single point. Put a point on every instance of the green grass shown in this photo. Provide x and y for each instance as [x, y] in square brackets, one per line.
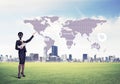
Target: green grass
[61, 73]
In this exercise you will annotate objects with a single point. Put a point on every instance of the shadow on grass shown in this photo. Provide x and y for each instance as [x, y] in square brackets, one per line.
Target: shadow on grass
[14, 76]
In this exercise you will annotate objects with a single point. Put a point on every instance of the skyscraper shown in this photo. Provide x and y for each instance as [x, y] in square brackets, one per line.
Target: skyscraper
[54, 51]
[70, 57]
[34, 56]
[95, 58]
[85, 57]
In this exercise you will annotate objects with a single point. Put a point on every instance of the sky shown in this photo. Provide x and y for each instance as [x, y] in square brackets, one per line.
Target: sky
[14, 12]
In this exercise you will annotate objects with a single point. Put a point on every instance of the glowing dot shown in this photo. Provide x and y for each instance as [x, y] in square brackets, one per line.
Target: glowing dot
[102, 37]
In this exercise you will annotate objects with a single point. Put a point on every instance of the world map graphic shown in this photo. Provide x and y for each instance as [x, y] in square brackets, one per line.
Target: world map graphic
[68, 29]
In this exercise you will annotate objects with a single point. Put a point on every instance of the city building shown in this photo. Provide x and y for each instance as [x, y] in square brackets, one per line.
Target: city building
[64, 57]
[106, 59]
[85, 57]
[54, 51]
[34, 56]
[70, 57]
[111, 58]
[28, 58]
[53, 56]
[95, 58]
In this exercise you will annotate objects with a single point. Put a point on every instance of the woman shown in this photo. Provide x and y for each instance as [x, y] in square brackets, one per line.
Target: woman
[20, 46]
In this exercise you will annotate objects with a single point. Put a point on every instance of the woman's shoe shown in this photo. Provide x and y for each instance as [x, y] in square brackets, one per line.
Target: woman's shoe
[22, 74]
[19, 76]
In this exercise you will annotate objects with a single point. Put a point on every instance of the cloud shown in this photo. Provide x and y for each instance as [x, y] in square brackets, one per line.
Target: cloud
[26, 5]
[37, 5]
[30, 5]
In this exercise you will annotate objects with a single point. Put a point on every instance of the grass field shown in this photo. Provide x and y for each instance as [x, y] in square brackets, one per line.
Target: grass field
[61, 73]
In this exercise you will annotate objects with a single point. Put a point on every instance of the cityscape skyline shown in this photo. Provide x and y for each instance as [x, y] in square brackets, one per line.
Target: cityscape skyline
[54, 53]
[34, 57]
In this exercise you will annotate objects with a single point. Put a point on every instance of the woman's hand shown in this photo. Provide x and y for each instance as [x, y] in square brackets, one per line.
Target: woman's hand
[34, 33]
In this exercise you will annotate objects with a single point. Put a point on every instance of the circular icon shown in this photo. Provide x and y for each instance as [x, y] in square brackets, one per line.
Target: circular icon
[102, 37]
